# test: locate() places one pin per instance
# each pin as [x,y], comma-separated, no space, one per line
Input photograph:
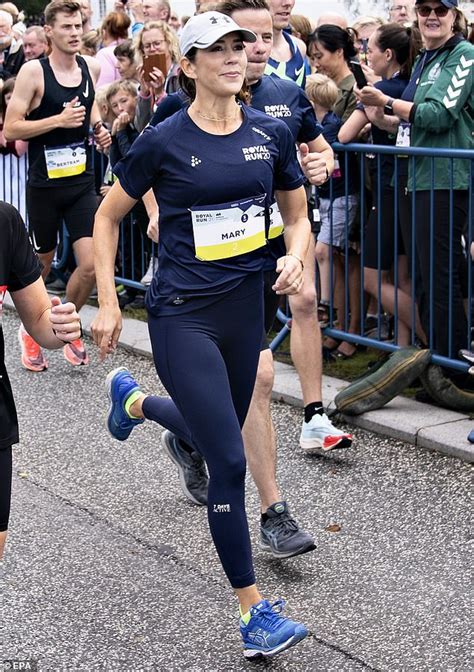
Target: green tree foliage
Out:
[33,9]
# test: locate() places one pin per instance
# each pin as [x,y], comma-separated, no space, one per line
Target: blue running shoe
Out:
[120,385]
[267,633]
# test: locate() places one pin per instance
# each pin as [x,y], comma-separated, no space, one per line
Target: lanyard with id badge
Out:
[229,229]
[403,134]
[65,160]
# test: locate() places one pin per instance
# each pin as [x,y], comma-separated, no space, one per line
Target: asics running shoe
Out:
[32,356]
[191,468]
[281,535]
[120,385]
[319,436]
[75,353]
[267,632]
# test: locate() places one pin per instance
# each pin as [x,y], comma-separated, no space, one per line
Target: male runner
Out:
[288,53]
[53,108]
[280,533]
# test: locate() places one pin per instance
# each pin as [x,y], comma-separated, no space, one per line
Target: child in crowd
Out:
[337,202]
[121,98]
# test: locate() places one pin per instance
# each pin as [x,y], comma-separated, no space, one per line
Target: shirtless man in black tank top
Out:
[53,108]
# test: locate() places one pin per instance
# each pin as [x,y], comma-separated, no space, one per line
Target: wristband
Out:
[291,254]
[388,108]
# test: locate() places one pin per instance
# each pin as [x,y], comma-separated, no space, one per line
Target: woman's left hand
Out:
[369,95]
[157,80]
[290,279]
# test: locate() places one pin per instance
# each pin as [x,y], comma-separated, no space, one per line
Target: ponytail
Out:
[405,43]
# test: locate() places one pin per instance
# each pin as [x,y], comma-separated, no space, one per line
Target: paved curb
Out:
[420,424]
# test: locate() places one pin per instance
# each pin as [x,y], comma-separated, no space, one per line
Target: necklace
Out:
[225,118]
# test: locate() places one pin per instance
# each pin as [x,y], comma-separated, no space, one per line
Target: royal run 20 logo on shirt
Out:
[256,153]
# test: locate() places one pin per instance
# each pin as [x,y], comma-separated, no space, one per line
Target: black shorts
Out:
[271,301]
[49,207]
[384,232]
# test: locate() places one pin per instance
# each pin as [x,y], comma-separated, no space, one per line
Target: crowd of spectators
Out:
[367,222]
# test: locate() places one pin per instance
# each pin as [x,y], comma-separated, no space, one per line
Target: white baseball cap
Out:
[202,30]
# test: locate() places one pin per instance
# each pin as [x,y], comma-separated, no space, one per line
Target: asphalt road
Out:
[109,568]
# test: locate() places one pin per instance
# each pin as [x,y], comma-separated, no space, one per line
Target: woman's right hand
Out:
[370,75]
[106,328]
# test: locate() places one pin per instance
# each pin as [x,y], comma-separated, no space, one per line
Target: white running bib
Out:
[65,161]
[229,229]
[276,227]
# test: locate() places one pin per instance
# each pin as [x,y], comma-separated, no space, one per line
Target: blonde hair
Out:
[105,111]
[365,21]
[322,90]
[169,36]
[121,85]
[90,42]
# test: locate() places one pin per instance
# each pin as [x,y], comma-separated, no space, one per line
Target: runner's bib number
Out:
[65,161]
[276,222]
[230,229]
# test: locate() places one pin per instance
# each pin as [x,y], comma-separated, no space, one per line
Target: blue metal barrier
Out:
[373,155]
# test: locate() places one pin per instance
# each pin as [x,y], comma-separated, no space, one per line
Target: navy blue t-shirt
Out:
[394,88]
[331,125]
[285,100]
[168,106]
[189,168]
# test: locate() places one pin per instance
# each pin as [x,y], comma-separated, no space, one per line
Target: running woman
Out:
[51,323]
[213,167]
[280,533]
[53,108]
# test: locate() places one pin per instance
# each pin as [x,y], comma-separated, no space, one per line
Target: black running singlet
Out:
[62,156]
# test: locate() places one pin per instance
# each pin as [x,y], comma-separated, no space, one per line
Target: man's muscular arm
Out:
[26,96]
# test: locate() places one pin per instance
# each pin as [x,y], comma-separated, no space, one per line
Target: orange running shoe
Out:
[75,353]
[32,356]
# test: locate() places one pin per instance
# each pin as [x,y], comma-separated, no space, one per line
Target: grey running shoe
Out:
[281,535]
[191,468]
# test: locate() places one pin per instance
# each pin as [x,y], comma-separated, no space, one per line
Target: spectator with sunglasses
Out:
[436,110]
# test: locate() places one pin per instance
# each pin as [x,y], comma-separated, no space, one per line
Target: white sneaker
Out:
[151,270]
[319,436]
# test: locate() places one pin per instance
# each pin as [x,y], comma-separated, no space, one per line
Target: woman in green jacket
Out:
[436,111]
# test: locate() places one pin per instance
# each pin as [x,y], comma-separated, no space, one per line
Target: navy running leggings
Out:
[207,360]
[5,486]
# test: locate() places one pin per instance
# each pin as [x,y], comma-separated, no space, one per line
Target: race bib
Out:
[403,135]
[65,161]
[276,222]
[230,229]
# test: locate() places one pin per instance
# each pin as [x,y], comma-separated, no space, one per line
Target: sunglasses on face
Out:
[425,10]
